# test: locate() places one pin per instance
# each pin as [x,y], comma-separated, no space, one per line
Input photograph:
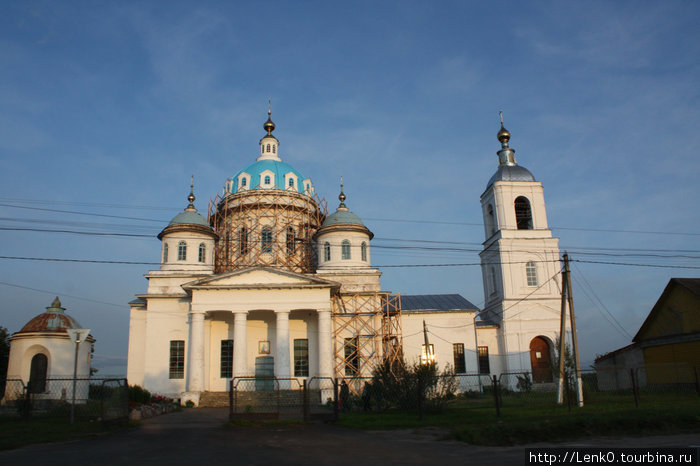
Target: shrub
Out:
[137,394]
[412,386]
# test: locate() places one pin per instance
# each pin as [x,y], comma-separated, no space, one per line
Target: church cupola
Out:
[506,156]
[269,144]
[188,240]
[343,240]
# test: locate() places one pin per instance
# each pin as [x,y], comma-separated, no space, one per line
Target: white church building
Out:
[268,283]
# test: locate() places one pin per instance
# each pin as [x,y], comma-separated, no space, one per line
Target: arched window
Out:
[268,148]
[267,179]
[243,241]
[531,272]
[37,373]
[363,250]
[266,240]
[291,182]
[165,252]
[307,186]
[244,182]
[182,251]
[345,249]
[202,252]
[490,220]
[273,149]
[291,245]
[326,251]
[523,214]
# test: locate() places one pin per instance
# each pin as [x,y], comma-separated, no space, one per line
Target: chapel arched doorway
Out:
[37,373]
[540,360]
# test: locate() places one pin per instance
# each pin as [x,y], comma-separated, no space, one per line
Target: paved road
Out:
[196,436]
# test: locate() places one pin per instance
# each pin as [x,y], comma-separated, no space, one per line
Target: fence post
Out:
[305,395]
[335,399]
[230,399]
[634,388]
[495,395]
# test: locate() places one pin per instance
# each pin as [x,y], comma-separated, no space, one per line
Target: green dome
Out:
[189,218]
[342,216]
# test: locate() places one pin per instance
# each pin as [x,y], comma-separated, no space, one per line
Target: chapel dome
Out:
[188,219]
[53,320]
[342,219]
[342,216]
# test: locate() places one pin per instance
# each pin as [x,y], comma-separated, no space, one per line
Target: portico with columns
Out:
[262,310]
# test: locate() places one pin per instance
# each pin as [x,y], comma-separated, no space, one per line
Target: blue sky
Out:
[109,107]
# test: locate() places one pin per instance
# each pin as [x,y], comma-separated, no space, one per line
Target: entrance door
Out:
[540,360]
[264,373]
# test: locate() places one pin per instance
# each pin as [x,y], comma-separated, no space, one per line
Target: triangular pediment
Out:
[254,277]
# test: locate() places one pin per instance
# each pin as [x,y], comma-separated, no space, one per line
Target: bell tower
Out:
[520,266]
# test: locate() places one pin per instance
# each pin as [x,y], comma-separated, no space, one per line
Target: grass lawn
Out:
[526,420]
[20,432]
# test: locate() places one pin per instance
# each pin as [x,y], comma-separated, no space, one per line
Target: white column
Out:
[240,344]
[325,350]
[282,366]
[195,366]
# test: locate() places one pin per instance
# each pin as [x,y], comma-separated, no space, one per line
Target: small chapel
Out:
[268,283]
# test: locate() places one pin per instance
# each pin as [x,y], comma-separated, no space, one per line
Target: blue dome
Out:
[189,218]
[342,216]
[278,169]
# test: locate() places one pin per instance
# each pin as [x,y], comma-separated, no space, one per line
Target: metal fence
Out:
[256,398]
[661,385]
[94,399]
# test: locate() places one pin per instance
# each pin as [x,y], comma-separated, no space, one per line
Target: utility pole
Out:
[429,358]
[568,298]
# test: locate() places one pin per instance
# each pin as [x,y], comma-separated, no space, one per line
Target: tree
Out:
[4,351]
[569,363]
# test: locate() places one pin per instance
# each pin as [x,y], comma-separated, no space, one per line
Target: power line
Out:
[88,261]
[57,293]
[76,232]
[598,304]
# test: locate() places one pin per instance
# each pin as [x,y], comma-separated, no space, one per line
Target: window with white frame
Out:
[326,251]
[531,272]
[363,251]
[182,251]
[345,250]
[202,252]
[165,252]
[177,359]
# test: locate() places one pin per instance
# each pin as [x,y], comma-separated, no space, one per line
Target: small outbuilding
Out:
[42,356]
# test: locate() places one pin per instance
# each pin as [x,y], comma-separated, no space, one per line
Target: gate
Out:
[270,397]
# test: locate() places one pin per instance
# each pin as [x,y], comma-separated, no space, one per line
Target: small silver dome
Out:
[511,173]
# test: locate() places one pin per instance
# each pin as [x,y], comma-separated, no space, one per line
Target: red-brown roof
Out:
[53,320]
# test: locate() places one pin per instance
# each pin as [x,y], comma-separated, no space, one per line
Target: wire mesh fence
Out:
[103,399]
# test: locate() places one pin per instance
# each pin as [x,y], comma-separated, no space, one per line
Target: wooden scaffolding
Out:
[266,227]
[366,332]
